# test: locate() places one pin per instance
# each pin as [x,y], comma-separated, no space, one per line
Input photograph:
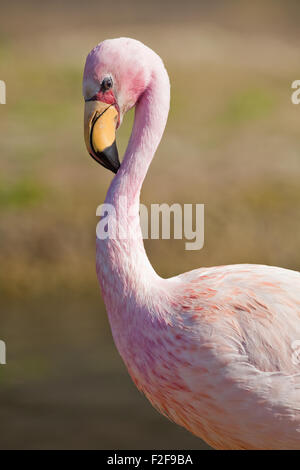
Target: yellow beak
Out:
[100,121]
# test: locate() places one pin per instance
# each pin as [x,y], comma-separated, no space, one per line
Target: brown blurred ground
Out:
[232,142]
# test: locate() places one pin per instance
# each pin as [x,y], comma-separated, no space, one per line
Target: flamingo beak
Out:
[100,122]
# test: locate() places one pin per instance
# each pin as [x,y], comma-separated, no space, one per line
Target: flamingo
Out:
[212,349]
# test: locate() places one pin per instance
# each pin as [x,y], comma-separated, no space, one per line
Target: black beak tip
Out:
[116,169]
[109,158]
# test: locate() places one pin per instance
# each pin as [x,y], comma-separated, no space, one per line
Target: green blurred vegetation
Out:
[247,105]
[20,194]
[232,142]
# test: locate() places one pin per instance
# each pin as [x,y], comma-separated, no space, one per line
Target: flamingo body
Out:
[211,349]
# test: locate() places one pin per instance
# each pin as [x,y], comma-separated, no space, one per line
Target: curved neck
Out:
[150,120]
[124,258]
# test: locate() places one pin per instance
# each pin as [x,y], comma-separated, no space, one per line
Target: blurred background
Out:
[232,142]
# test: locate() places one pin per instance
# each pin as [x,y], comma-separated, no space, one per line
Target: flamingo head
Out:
[115,76]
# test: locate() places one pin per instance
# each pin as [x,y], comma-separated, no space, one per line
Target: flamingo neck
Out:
[122,263]
[150,119]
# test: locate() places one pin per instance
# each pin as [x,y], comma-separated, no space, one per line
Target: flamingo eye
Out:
[106,84]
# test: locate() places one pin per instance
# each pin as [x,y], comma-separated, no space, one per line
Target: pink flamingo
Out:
[212,349]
